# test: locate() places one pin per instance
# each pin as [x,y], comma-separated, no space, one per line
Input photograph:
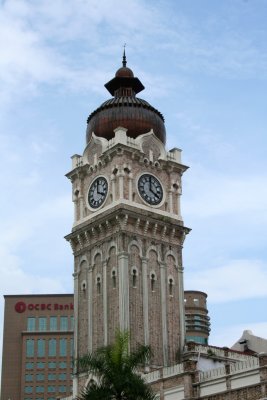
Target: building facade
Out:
[37,347]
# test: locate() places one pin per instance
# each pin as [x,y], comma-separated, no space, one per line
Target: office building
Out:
[37,347]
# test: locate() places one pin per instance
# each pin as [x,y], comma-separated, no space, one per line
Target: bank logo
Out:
[20,307]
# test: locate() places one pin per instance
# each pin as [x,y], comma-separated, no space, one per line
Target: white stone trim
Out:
[153,248]
[139,206]
[171,253]
[137,244]
[94,254]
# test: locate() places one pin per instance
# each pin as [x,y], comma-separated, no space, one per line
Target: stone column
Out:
[75,202]
[121,178]
[145,300]
[90,309]
[105,307]
[164,313]
[130,177]
[75,342]
[171,201]
[181,306]
[113,187]
[81,204]
[179,192]
[123,291]
[263,373]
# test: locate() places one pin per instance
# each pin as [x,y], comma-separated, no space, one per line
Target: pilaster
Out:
[163,283]
[123,291]
[145,300]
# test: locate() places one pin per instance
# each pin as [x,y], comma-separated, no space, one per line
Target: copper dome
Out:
[125,109]
[124,72]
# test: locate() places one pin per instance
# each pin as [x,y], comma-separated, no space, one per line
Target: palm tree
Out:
[115,371]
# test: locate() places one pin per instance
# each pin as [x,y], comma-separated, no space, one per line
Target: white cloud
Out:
[228,335]
[236,280]
[210,194]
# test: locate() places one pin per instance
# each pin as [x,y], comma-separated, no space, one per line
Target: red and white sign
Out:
[21,307]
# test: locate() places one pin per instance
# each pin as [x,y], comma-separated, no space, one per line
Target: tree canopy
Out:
[115,372]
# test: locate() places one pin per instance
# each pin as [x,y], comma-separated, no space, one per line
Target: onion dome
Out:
[125,109]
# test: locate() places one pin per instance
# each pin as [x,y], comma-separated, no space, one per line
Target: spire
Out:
[124,62]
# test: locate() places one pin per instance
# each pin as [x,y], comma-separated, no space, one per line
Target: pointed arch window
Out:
[114,279]
[98,285]
[134,277]
[152,282]
[171,286]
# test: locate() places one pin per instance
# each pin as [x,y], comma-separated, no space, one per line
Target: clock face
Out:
[150,189]
[98,192]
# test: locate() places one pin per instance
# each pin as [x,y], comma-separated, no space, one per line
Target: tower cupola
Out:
[125,109]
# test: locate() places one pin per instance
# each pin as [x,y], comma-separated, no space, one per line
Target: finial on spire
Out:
[124,62]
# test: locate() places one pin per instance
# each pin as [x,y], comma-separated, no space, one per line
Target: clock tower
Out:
[128,231]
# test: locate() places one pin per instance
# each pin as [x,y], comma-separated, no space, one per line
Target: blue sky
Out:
[204,66]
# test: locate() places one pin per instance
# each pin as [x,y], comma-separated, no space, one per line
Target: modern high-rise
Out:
[37,347]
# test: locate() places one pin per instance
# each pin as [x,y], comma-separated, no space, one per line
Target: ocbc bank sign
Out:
[21,307]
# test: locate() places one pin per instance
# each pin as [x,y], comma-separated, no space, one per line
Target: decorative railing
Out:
[152,376]
[173,370]
[244,366]
[221,353]
[247,365]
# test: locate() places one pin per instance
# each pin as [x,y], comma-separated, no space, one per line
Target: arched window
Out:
[152,282]
[170,287]
[113,275]
[98,285]
[134,275]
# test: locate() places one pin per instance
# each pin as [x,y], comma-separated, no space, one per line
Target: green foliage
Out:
[115,372]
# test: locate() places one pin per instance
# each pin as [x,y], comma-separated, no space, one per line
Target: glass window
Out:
[31,324]
[62,377]
[42,324]
[39,389]
[196,302]
[63,347]
[51,398]
[197,339]
[62,389]
[63,323]
[52,348]
[30,348]
[40,348]
[51,389]
[53,323]
[40,377]
[52,365]
[72,323]
[62,365]
[28,389]
[28,377]
[29,365]
[52,377]
[40,365]
[40,398]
